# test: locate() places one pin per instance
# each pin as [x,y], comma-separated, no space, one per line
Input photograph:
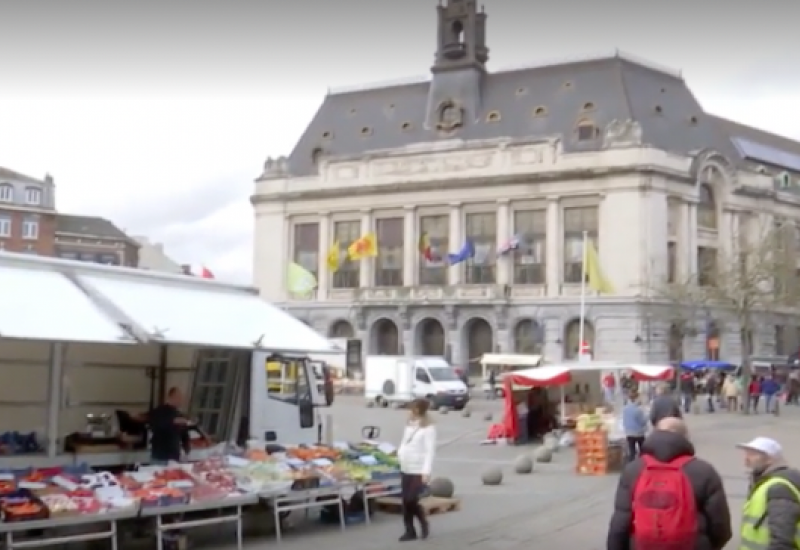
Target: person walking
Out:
[687,391]
[754,393]
[772,511]
[416,454]
[770,388]
[711,387]
[731,393]
[668,498]
[634,422]
[491,381]
[663,406]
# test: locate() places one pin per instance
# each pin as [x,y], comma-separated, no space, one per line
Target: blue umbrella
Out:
[701,364]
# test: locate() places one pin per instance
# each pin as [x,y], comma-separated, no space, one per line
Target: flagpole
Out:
[582,317]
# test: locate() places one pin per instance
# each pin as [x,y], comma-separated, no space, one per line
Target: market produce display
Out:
[38,494]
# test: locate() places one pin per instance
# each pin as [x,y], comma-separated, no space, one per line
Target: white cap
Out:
[765,445]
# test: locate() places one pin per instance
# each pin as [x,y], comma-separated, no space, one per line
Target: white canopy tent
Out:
[60,302]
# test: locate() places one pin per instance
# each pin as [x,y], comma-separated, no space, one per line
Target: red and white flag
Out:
[198,271]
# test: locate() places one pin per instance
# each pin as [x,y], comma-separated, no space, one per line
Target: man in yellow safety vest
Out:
[771,519]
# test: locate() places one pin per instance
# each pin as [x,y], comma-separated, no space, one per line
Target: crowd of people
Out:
[670,499]
[727,391]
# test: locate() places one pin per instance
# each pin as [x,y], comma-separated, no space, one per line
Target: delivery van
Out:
[398,380]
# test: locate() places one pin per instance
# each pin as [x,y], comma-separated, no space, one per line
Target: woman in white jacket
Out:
[416,453]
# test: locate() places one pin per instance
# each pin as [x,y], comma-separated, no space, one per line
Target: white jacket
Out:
[417,450]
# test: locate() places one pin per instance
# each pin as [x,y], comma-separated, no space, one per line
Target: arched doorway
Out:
[675,344]
[572,338]
[430,338]
[480,340]
[385,338]
[713,340]
[341,329]
[528,337]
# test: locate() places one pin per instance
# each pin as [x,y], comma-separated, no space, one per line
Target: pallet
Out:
[431,505]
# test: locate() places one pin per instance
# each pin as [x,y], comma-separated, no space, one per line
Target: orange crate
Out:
[592,470]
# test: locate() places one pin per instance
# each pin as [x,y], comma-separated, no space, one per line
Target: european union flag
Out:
[467,252]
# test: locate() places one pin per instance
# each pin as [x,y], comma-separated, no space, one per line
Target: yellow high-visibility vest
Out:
[755,532]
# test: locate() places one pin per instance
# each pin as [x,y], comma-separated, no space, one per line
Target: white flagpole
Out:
[582,318]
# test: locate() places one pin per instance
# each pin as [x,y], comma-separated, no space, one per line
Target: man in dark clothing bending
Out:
[663,406]
[168,428]
[668,442]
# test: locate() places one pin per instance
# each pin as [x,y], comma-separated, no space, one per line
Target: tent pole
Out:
[57,351]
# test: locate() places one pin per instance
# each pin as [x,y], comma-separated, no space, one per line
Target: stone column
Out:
[367,264]
[503,265]
[683,264]
[691,258]
[554,245]
[410,246]
[323,275]
[456,241]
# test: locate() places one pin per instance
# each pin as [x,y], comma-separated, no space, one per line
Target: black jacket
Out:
[714,517]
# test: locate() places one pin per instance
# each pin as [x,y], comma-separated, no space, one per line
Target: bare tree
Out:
[754,278]
[678,304]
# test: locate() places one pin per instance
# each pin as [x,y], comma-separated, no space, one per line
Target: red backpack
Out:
[664,506]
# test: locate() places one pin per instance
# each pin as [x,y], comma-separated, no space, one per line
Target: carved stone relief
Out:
[403,318]
[622,133]
[501,317]
[450,116]
[359,317]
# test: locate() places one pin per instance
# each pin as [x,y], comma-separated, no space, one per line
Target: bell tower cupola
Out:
[461,36]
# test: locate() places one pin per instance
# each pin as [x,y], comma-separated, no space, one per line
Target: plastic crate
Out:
[25,494]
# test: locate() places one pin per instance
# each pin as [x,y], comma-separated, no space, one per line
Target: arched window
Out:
[707,207]
[572,339]
[528,337]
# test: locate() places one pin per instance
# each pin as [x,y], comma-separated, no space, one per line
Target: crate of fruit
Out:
[22,505]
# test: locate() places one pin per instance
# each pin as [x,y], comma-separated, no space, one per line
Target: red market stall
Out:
[561,375]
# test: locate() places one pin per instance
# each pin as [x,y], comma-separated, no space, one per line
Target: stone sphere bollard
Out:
[442,487]
[466,413]
[487,417]
[444,410]
[523,464]
[543,455]
[492,476]
[551,443]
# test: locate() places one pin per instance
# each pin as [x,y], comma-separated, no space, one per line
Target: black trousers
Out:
[411,488]
[634,446]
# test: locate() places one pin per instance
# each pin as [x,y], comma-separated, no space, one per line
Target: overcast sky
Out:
[158,115]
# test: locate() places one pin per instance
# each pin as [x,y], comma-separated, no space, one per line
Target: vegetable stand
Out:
[233,504]
[111,518]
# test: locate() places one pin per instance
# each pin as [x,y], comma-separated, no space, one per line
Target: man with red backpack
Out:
[668,499]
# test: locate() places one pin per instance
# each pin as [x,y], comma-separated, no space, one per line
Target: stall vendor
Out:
[541,419]
[169,430]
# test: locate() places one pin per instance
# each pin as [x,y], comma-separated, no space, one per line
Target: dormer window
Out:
[587,131]
[6,192]
[33,196]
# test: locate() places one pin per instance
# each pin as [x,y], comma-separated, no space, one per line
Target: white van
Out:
[400,380]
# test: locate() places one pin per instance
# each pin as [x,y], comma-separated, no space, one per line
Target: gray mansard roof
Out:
[601,90]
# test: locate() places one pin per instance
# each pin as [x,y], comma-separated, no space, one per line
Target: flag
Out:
[334,256]
[594,274]
[363,247]
[425,247]
[299,280]
[197,271]
[467,252]
[510,245]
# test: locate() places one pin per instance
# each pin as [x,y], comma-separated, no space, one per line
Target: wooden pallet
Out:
[431,505]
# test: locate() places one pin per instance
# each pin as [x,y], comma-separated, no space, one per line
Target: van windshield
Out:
[443,374]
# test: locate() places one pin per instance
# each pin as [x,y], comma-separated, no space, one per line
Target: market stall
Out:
[560,376]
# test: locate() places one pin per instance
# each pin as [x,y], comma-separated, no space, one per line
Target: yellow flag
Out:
[363,247]
[334,257]
[594,274]
[299,280]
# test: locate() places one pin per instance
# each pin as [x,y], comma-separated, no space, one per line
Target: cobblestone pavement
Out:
[551,506]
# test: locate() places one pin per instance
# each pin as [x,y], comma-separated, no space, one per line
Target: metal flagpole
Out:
[582,318]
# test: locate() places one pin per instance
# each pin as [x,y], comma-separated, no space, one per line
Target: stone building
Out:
[610,145]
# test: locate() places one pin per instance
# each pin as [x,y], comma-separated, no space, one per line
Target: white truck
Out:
[397,380]
[79,340]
